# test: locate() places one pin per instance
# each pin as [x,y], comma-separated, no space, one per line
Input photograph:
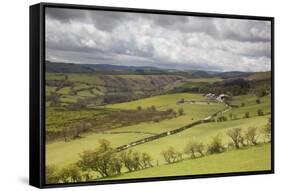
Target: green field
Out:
[202,133]
[152,108]
[63,153]
[247,159]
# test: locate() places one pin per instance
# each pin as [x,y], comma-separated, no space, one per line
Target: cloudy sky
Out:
[180,42]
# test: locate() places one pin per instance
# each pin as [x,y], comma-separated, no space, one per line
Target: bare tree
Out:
[236,136]
[216,145]
[194,147]
[251,136]
[266,131]
[171,155]
[133,160]
[146,160]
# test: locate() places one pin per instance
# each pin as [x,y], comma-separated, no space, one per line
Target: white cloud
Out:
[157,40]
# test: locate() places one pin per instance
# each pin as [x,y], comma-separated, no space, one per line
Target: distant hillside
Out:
[259,76]
[56,67]
[59,67]
[234,74]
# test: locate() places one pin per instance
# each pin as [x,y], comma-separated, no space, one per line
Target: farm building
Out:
[210,96]
[222,97]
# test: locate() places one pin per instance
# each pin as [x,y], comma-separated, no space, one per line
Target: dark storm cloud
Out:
[101,37]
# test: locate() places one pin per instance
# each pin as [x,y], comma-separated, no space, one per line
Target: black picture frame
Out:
[37,95]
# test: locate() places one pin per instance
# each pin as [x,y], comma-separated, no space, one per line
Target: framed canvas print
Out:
[122,95]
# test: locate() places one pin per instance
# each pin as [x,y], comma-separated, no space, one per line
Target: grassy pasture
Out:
[56,119]
[208,80]
[63,153]
[202,133]
[250,105]
[247,159]
[162,101]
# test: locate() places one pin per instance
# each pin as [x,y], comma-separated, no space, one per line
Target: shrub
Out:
[152,108]
[236,136]
[146,160]
[193,147]
[266,131]
[221,118]
[70,173]
[251,136]
[139,108]
[102,160]
[74,130]
[230,145]
[156,120]
[242,104]
[247,115]
[52,174]
[171,155]
[260,112]
[131,160]
[215,146]
[181,111]
[258,101]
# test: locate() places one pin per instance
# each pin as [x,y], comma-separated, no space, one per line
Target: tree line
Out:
[194,149]
[103,160]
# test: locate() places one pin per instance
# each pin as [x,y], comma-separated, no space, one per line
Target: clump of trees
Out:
[74,130]
[107,162]
[251,136]
[261,91]
[79,104]
[216,145]
[266,131]
[151,108]
[260,112]
[103,160]
[118,97]
[70,173]
[236,136]
[247,115]
[134,160]
[52,174]
[181,111]
[194,148]
[221,118]
[172,111]
[232,116]
[171,155]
